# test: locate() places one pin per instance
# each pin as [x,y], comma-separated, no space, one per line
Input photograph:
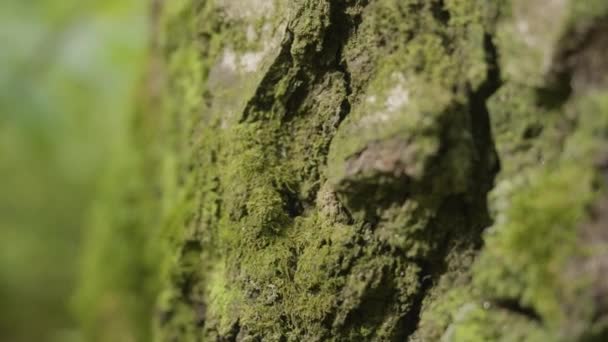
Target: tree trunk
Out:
[364,170]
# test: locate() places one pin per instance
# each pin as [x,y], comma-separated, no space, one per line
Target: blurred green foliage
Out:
[67,84]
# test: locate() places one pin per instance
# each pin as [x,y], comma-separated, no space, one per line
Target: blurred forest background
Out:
[67,83]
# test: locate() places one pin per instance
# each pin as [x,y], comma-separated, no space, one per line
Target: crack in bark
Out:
[286,66]
[263,98]
[488,168]
[514,306]
[341,28]
[482,131]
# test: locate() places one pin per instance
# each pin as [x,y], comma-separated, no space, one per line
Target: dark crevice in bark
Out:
[233,334]
[489,163]
[471,208]
[191,251]
[575,66]
[456,210]
[342,27]
[345,107]
[314,69]
[263,100]
[513,306]
[299,93]
[440,12]
[184,281]
[200,313]
[292,204]
[558,93]
[412,317]
[374,303]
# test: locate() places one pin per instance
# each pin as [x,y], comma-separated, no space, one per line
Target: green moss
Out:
[324,173]
[294,264]
[546,187]
[475,323]
[521,259]
[438,314]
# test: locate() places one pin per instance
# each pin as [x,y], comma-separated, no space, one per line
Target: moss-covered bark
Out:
[366,170]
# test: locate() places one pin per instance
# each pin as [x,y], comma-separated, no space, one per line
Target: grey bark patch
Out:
[396,157]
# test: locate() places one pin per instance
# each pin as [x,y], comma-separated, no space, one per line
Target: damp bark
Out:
[358,170]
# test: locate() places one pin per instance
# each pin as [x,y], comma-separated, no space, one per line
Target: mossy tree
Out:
[363,170]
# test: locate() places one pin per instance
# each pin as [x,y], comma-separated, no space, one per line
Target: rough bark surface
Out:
[365,170]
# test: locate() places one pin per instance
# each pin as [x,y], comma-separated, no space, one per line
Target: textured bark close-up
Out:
[362,170]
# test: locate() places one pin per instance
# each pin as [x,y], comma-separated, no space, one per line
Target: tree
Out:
[353,170]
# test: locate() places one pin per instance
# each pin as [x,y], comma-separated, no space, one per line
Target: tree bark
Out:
[366,170]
